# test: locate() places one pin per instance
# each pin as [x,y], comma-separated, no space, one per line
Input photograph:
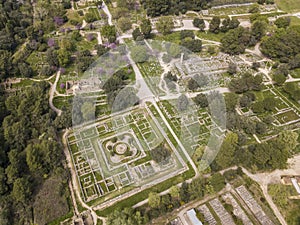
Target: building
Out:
[191,214]
[296,185]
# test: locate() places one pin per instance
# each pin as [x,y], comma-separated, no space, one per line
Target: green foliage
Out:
[124,24]
[283,45]
[139,53]
[168,7]
[160,154]
[227,151]
[293,90]
[165,25]
[214,25]
[217,181]
[283,22]
[90,17]
[199,23]
[137,35]
[154,200]
[246,82]
[146,28]
[235,41]
[174,191]
[109,32]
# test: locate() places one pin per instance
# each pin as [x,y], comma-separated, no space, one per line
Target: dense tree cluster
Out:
[293,90]
[246,82]
[269,155]
[30,151]
[283,45]
[159,205]
[169,7]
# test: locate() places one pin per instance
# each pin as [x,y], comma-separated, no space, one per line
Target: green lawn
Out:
[210,36]
[295,21]
[288,5]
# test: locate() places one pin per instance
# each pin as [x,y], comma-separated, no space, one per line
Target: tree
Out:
[227,150]
[214,25]
[101,50]
[160,154]
[279,78]
[165,25]
[283,22]
[174,50]
[183,103]
[235,41]
[192,45]
[90,17]
[21,191]
[174,191]
[184,192]
[217,181]
[199,23]
[146,28]
[76,36]
[258,30]
[288,139]
[3,185]
[196,188]
[269,103]
[64,57]
[124,24]
[233,23]
[25,69]
[34,157]
[109,32]
[232,68]
[187,34]
[139,53]
[201,100]
[52,57]
[153,200]
[231,100]
[282,44]
[137,35]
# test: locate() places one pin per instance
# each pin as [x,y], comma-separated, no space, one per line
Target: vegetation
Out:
[30,153]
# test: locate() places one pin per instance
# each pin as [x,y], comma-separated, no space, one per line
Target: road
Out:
[264,179]
[52,91]
[107,12]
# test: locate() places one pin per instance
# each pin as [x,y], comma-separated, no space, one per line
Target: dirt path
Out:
[264,179]
[52,91]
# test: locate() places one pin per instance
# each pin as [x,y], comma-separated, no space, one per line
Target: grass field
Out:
[288,5]
[295,21]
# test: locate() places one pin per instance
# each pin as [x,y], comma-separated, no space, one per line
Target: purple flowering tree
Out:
[90,37]
[51,42]
[62,85]
[58,21]
[62,70]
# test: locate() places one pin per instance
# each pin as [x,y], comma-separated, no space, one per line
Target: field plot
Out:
[193,126]
[117,154]
[152,71]
[237,206]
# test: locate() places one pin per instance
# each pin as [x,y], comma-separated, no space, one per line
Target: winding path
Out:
[107,12]
[52,91]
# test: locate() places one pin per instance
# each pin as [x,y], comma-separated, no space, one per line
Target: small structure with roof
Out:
[191,214]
